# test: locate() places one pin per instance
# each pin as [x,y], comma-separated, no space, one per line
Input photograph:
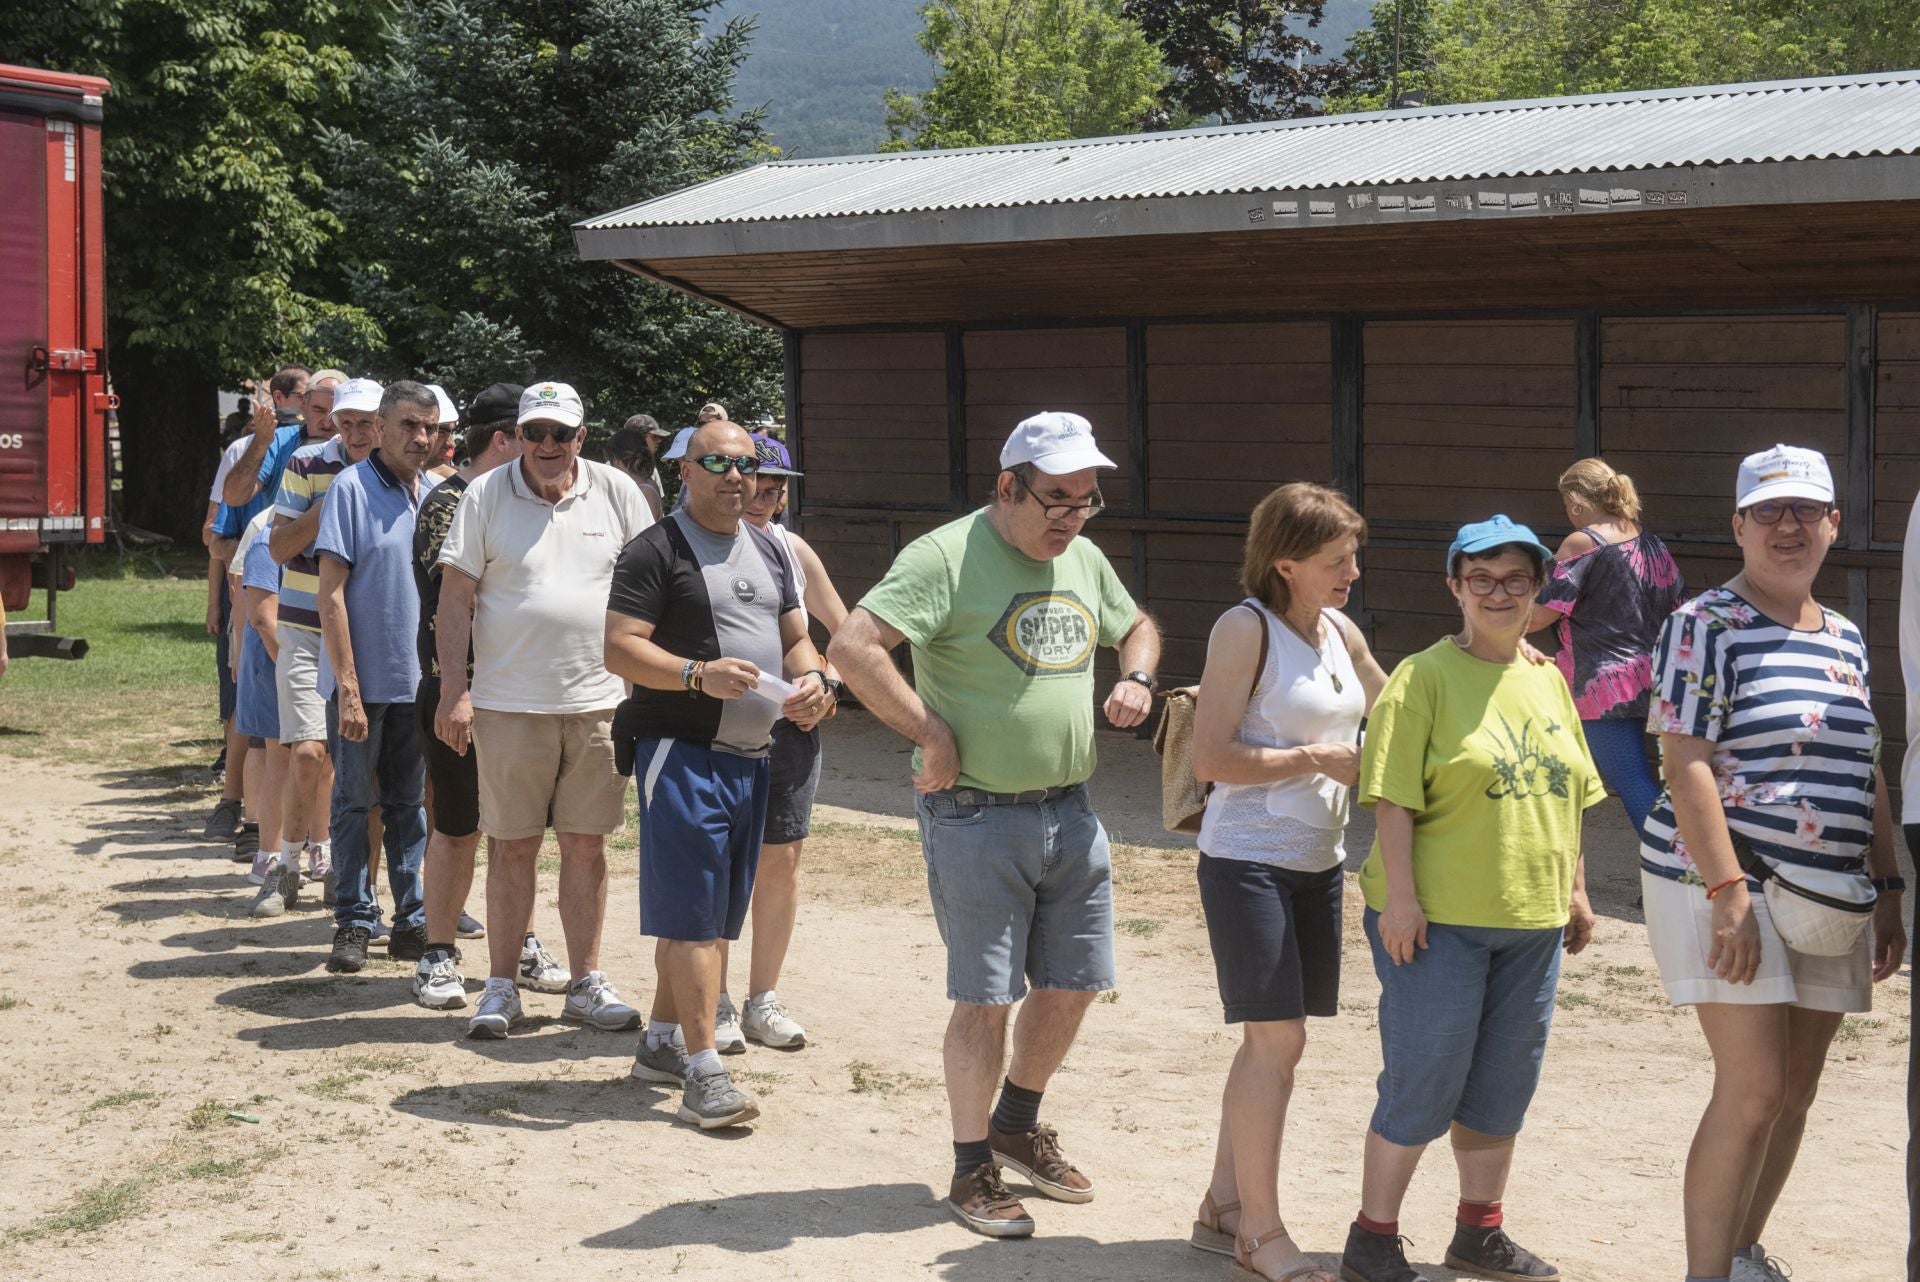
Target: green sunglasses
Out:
[719,463]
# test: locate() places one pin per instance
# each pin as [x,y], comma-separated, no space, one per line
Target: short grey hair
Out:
[1025,471]
[407,392]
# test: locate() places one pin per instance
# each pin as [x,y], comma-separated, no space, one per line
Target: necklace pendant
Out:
[1337,687]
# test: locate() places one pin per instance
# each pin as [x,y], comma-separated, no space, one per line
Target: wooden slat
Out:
[1752,340]
[872,351]
[1308,342]
[1515,342]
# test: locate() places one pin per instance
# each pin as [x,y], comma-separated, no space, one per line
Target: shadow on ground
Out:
[553,1104]
[755,1223]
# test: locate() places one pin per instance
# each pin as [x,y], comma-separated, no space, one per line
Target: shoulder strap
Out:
[1260,664]
[1594,534]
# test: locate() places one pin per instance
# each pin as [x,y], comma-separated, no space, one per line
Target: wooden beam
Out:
[1136,416]
[956,420]
[1862,325]
[1586,385]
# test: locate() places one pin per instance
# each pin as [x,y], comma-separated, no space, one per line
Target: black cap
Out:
[498,404]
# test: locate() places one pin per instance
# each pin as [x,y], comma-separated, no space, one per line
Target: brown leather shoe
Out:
[981,1202]
[1036,1155]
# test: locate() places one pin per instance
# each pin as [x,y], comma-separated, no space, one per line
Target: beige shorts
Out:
[1680,924]
[543,770]
[296,679]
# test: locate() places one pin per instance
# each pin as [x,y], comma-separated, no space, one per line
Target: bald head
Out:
[719,437]
[716,499]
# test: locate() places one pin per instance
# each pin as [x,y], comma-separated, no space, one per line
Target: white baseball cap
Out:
[1056,442]
[358,394]
[1783,472]
[551,403]
[448,414]
[679,447]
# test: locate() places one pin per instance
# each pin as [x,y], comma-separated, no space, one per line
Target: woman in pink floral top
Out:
[1766,733]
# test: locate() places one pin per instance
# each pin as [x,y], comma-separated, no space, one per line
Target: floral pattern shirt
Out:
[1795,739]
[1611,603]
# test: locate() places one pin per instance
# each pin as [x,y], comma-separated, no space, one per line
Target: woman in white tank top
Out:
[1287,682]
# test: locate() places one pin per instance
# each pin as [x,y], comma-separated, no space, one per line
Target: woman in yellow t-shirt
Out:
[1478,773]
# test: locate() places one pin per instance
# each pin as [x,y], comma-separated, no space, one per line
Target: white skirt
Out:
[1680,925]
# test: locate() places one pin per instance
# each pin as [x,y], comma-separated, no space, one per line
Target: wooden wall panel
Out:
[1012,374]
[1896,465]
[864,396]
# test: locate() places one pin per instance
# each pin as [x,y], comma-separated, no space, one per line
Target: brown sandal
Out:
[1207,1233]
[1243,1270]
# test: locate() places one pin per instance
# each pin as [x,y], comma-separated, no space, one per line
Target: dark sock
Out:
[1018,1110]
[969,1156]
[1385,1228]
[1480,1215]
[448,949]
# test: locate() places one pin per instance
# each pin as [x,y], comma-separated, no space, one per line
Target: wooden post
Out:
[1857,523]
[790,394]
[1137,416]
[956,422]
[1586,385]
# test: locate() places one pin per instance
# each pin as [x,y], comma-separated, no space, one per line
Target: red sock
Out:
[1385,1228]
[1480,1215]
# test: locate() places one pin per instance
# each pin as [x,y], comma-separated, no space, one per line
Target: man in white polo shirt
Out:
[525,572]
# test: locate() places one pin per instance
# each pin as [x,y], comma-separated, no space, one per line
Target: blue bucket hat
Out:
[1495,531]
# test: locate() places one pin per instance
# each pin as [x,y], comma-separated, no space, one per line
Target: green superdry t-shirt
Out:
[1492,761]
[1003,648]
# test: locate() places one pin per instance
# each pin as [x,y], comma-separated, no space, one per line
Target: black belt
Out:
[1031,797]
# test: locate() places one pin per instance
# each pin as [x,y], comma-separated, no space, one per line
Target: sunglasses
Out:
[1805,511]
[1512,585]
[537,433]
[719,463]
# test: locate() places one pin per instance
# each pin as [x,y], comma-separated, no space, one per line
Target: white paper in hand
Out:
[774,690]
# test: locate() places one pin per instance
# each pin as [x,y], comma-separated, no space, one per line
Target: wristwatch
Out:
[1890,884]
[1145,679]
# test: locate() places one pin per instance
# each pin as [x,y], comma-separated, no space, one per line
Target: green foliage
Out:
[1010,71]
[493,126]
[1238,61]
[1400,37]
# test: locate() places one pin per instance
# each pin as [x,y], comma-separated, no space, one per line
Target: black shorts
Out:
[455,778]
[229,692]
[1276,938]
[794,762]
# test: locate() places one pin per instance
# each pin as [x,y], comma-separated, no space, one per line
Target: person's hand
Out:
[1579,930]
[213,618]
[1129,704]
[939,757]
[3,654]
[1735,954]
[353,717]
[264,422]
[728,678]
[453,720]
[1403,928]
[1339,762]
[810,704]
[1533,654]
[1889,931]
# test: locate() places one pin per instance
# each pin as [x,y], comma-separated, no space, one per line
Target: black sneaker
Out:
[1490,1253]
[349,954]
[409,944]
[224,823]
[246,843]
[1376,1257]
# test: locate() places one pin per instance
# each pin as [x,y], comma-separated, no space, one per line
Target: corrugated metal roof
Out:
[1831,118]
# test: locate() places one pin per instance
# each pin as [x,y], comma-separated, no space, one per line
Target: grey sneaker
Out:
[279,890]
[224,823]
[592,1000]
[665,1063]
[766,1021]
[470,927]
[539,972]
[1755,1265]
[711,1101]
[499,1007]
[727,1037]
[438,984]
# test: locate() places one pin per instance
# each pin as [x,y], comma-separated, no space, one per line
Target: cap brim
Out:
[1488,544]
[1788,489]
[771,469]
[362,404]
[551,414]
[1063,462]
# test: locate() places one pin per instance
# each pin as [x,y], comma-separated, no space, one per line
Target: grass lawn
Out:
[143,697]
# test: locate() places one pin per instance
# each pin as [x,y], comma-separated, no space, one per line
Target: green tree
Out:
[1239,61]
[1394,52]
[1026,71]
[491,127]
[217,239]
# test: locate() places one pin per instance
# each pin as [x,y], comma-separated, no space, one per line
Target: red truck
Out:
[54,400]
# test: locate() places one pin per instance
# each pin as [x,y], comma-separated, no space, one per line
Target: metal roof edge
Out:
[594,223]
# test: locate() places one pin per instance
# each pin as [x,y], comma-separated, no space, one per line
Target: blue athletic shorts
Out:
[256,707]
[702,812]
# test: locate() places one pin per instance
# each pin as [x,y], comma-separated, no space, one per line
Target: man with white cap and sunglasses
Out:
[1004,609]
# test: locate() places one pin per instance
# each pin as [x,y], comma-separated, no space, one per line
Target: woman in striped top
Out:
[1766,732]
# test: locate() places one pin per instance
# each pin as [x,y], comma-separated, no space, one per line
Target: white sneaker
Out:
[438,985]
[592,1000]
[727,1037]
[766,1021]
[279,890]
[499,1007]
[1755,1265]
[539,972]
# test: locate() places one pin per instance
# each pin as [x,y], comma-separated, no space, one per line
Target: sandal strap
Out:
[1248,1245]
[1214,1210]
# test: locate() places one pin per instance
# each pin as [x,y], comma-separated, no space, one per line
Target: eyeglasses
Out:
[1805,511]
[537,433]
[1513,585]
[1063,511]
[718,464]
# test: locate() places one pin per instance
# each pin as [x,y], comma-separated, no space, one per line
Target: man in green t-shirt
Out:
[1004,609]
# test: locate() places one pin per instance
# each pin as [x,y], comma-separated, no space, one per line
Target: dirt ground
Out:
[194,1097]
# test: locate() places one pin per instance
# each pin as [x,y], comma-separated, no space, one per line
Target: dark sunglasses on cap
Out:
[718,464]
[539,432]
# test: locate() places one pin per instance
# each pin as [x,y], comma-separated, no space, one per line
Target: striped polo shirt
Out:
[1795,739]
[309,474]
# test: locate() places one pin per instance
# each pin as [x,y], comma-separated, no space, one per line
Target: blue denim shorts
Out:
[701,815]
[1463,1029]
[1022,891]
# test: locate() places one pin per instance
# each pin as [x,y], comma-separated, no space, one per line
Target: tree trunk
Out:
[169,442]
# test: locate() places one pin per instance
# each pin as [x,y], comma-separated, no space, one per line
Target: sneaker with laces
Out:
[980,1200]
[438,984]
[1755,1265]
[262,860]
[1490,1253]
[712,1101]
[224,823]
[499,1007]
[727,1037]
[539,972]
[319,864]
[407,943]
[349,955]
[469,927]
[665,1063]
[1036,1155]
[1377,1257]
[246,843]
[592,1000]
[279,891]
[766,1021]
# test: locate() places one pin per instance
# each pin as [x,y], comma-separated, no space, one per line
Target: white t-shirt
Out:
[543,570]
[228,458]
[1910,666]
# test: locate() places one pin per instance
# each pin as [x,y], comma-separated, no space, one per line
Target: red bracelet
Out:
[1731,881]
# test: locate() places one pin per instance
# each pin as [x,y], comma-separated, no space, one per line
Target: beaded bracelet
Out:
[1731,881]
[686,675]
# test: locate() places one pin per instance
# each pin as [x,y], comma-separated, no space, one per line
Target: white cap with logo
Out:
[551,403]
[678,449]
[1055,441]
[361,394]
[448,414]
[1783,472]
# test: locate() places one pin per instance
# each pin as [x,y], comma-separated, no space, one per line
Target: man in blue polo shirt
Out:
[369,612]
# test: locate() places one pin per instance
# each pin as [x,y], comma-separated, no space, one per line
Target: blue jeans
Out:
[1619,748]
[386,767]
[1463,1029]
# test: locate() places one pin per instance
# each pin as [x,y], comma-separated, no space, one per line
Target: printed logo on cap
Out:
[548,392]
[1046,633]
